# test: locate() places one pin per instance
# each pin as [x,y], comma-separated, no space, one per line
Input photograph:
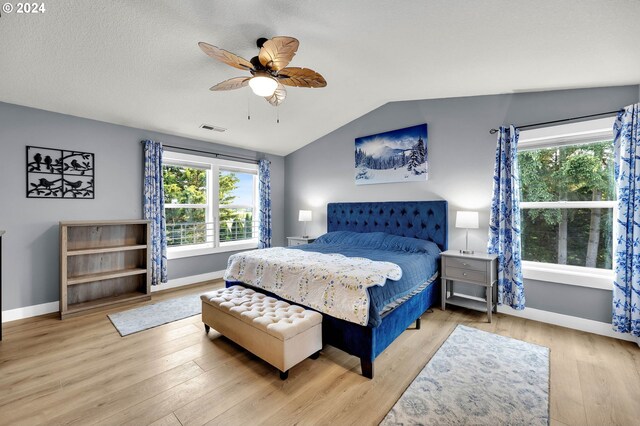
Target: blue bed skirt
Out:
[369,342]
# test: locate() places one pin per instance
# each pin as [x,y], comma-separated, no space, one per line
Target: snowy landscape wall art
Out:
[394,156]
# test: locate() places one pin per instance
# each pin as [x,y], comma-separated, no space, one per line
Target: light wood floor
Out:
[81,371]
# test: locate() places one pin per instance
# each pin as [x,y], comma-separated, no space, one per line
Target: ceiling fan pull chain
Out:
[278,114]
[248,107]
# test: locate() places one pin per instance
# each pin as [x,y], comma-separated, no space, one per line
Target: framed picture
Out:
[59,173]
[394,156]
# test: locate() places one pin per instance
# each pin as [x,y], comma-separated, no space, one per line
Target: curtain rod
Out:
[217,155]
[564,120]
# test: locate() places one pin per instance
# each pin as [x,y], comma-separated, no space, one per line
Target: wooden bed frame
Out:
[426,220]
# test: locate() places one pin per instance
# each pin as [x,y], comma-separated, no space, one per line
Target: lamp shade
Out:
[467,219]
[304,216]
[263,85]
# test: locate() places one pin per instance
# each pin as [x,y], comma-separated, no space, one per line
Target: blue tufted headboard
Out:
[425,220]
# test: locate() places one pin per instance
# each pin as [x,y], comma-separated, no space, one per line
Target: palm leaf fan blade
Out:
[278,96]
[301,77]
[225,56]
[231,84]
[276,53]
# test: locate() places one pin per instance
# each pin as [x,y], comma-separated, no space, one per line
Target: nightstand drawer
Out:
[465,274]
[299,241]
[472,264]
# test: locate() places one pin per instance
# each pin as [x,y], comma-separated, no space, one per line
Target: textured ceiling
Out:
[137,63]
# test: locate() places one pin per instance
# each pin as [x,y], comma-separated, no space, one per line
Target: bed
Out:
[390,314]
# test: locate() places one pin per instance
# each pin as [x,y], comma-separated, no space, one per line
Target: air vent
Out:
[211,127]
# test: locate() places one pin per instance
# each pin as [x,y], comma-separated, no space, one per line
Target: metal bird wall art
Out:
[59,173]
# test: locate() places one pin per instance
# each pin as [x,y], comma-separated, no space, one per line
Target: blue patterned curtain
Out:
[504,224]
[626,287]
[264,188]
[154,210]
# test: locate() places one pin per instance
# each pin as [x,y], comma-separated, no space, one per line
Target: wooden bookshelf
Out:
[103,264]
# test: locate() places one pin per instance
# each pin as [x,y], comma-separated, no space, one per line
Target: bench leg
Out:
[206,328]
[315,355]
[367,367]
[284,375]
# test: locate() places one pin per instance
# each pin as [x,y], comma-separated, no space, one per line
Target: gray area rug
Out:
[149,316]
[478,378]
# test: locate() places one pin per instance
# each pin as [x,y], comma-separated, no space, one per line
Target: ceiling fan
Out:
[269,71]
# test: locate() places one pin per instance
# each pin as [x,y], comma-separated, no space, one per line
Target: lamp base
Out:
[467,252]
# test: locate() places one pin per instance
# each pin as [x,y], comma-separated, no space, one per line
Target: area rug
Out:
[149,316]
[478,378]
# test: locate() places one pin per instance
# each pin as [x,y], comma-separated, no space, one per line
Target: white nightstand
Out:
[299,241]
[477,268]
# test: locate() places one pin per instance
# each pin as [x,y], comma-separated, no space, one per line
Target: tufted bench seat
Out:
[278,332]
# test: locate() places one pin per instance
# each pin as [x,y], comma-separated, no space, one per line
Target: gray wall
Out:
[30,246]
[461,160]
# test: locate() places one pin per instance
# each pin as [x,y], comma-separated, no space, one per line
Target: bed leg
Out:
[418,323]
[367,367]
[284,375]
[315,355]
[206,328]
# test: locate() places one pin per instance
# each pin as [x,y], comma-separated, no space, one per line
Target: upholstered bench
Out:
[280,333]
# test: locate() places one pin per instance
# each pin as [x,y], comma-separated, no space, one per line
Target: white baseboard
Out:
[51,307]
[193,279]
[576,323]
[30,311]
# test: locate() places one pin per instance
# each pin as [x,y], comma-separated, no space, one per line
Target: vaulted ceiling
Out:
[137,63]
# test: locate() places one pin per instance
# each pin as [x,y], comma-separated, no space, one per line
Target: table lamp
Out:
[304,216]
[467,220]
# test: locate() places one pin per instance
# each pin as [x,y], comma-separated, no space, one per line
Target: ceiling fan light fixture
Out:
[263,85]
[270,70]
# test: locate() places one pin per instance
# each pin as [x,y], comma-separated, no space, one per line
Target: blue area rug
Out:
[478,378]
[149,316]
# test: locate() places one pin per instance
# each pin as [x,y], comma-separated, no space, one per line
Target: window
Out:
[186,190]
[568,196]
[237,198]
[210,204]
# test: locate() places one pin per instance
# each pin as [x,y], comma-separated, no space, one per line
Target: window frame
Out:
[581,133]
[213,166]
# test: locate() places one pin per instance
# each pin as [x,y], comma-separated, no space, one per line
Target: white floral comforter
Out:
[330,283]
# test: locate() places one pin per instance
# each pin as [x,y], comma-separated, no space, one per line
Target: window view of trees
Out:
[568,236]
[185,185]
[236,220]
[185,196]
[186,207]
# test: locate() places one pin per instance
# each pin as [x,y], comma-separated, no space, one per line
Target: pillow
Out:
[410,245]
[379,240]
[358,239]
